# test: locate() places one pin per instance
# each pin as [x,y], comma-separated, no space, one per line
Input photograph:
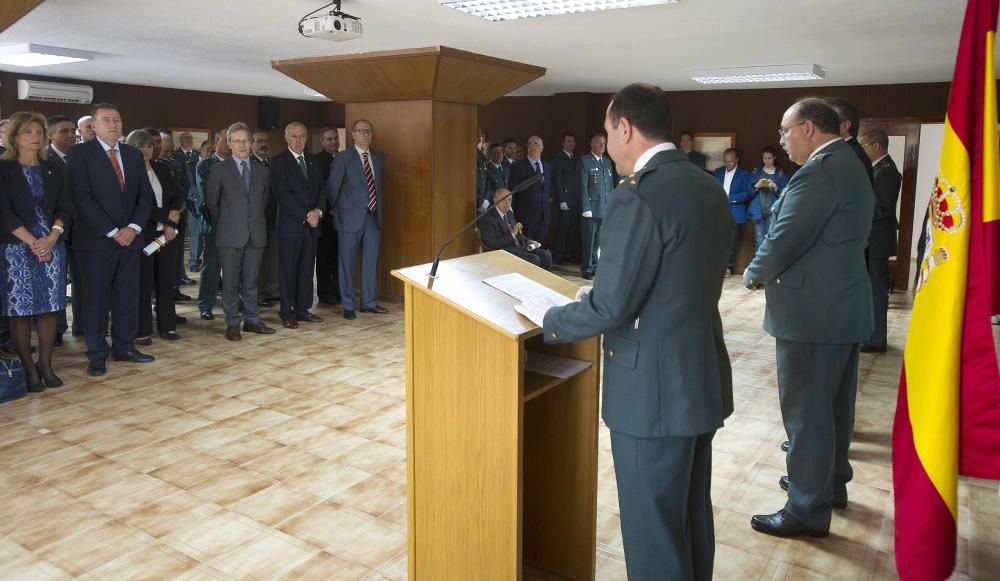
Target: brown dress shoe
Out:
[260,328]
[290,323]
[233,333]
[310,318]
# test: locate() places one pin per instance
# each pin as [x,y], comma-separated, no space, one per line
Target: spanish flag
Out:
[948,412]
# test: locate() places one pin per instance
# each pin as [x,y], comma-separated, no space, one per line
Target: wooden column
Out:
[13,10]
[423,104]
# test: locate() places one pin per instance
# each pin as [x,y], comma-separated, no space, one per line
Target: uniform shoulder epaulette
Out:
[819,156]
[633,179]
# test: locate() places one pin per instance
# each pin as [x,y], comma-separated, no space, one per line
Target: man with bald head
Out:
[819,308]
[501,231]
[297,186]
[882,240]
[532,205]
[85,128]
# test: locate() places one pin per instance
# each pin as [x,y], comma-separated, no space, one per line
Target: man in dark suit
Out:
[532,205]
[327,285]
[687,146]
[208,286]
[236,200]
[566,185]
[509,153]
[850,125]
[62,138]
[735,181]
[297,185]
[354,191]
[882,239]
[113,199]
[267,285]
[667,377]
[819,308]
[501,231]
[188,157]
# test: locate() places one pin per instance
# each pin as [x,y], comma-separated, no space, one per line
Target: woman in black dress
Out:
[35,212]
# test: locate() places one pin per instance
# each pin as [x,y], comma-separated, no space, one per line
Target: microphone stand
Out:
[518,189]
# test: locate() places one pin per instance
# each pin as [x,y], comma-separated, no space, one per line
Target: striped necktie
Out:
[370,178]
[118,168]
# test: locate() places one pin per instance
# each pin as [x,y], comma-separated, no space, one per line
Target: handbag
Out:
[12,384]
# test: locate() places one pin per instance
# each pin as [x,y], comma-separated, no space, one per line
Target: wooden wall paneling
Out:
[402,133]
[454,168]
[13,10]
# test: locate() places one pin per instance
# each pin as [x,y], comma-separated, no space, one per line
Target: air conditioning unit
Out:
[54,92]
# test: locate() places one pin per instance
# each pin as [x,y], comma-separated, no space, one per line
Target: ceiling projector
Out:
[334,25]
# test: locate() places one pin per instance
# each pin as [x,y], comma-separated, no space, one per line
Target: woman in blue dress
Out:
[34,213]
[766,182]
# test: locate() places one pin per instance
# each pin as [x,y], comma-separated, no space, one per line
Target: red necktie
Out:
[517,241]
[118,168]
[370,178]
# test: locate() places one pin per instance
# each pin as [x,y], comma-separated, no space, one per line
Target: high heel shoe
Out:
[51,381]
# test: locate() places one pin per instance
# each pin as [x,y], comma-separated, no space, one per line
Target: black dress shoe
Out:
[133,356]
[207,316]
[873,349]
[59,341]
[180,297]
[96,368]
[50,381]
[783,483]
[377,310]
[170,335]
[587,276]
[783,524]
[144,341]
[785,445]
[290,323]
[264,303]
[37,388]
[233,333]
[349,315]
[186,280]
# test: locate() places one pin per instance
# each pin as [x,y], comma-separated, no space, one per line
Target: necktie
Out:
[118,168]
[538,169]
[370,178]
[302,166]
[245,172]
[517,241]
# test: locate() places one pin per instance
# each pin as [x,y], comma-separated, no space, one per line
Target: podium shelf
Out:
[535,383]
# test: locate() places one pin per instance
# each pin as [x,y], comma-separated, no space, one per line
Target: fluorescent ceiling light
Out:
[36,55]
[312,93]
[513,9]
[769,74]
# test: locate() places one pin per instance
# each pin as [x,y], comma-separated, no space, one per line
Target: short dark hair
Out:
[646,107]
[495,146]
[769,149]
[57,119]
[152,131]
[165,131]
[846,111]
[97,106]
[731,150]
[509,140]
[568,134]
[822,115]
[598,134]
[326,128]
[688,133]
[878,136]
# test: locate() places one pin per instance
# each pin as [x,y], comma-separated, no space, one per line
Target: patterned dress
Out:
[27,286]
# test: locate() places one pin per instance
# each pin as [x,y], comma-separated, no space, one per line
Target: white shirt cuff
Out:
[135,227]
[112,233]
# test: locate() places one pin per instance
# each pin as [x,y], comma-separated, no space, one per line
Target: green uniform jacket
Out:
[882,240]
[597,180]
[496,178]
[812,262]
[481,194]
[664,248]
[565,180]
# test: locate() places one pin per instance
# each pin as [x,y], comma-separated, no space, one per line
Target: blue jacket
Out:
[739,191]
[755,211]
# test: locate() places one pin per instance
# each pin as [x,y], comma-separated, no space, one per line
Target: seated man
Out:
[500,231]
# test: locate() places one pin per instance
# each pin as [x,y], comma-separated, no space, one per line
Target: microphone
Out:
[517,189]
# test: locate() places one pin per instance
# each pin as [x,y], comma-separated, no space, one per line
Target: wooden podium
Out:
[501,462]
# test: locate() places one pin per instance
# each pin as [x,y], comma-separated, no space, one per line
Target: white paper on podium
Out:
[523,288]
[553,366]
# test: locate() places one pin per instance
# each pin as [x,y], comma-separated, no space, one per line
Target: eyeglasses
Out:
[782,132]
[239,141]
[864,145]
[363,131]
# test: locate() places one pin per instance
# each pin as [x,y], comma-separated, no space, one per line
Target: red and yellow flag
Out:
[948,412]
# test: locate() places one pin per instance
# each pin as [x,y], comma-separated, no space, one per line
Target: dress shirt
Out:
[61,155]
[728,180]
[648,155]
[874,163]
[118,156]
[818,149]
[157,193]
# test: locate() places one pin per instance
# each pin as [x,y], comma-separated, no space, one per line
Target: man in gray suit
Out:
[819,308]
[236,199]
[882,240]
[667,378]
[354,189]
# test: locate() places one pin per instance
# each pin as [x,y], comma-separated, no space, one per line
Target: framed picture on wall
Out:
[198,135]
[712,145]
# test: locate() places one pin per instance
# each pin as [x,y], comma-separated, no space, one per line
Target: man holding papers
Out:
[501,231]
[667,378]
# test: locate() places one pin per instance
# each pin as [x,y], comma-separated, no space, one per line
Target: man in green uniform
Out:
[811,265]
[596,179]
[667,377]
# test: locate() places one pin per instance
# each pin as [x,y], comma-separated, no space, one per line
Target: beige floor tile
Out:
[373,495]
[268,556]
[327,479]
[347,533]
[832,557]
[170,514]
[326,567]
[155,455]
[292,431]
[154,563]
[283,463]
[230,486]
[191,470]
[31,448]
[275,504]
[93,548]
[215,536]
[125,495]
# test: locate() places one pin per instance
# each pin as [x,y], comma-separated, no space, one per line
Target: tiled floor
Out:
[284,456]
